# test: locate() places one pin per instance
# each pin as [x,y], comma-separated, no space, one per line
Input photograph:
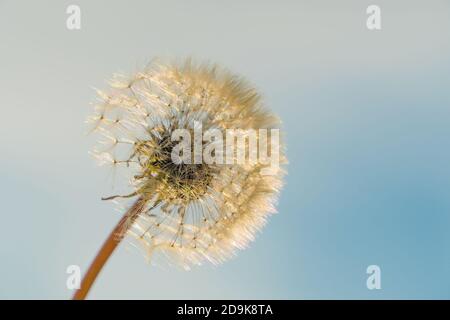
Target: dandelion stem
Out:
[108,248]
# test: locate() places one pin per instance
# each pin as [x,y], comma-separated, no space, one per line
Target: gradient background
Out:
[367,118]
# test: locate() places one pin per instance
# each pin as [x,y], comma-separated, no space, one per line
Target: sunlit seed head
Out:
[193,211]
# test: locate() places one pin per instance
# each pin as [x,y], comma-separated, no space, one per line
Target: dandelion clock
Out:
[201,159]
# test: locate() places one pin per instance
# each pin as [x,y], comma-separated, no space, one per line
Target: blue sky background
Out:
[367,120]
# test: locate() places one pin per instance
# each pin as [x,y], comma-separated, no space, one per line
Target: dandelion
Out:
[189,212]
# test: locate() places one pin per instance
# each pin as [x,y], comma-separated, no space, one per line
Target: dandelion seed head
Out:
[193,212]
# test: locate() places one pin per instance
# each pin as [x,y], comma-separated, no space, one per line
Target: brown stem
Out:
[108,248]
